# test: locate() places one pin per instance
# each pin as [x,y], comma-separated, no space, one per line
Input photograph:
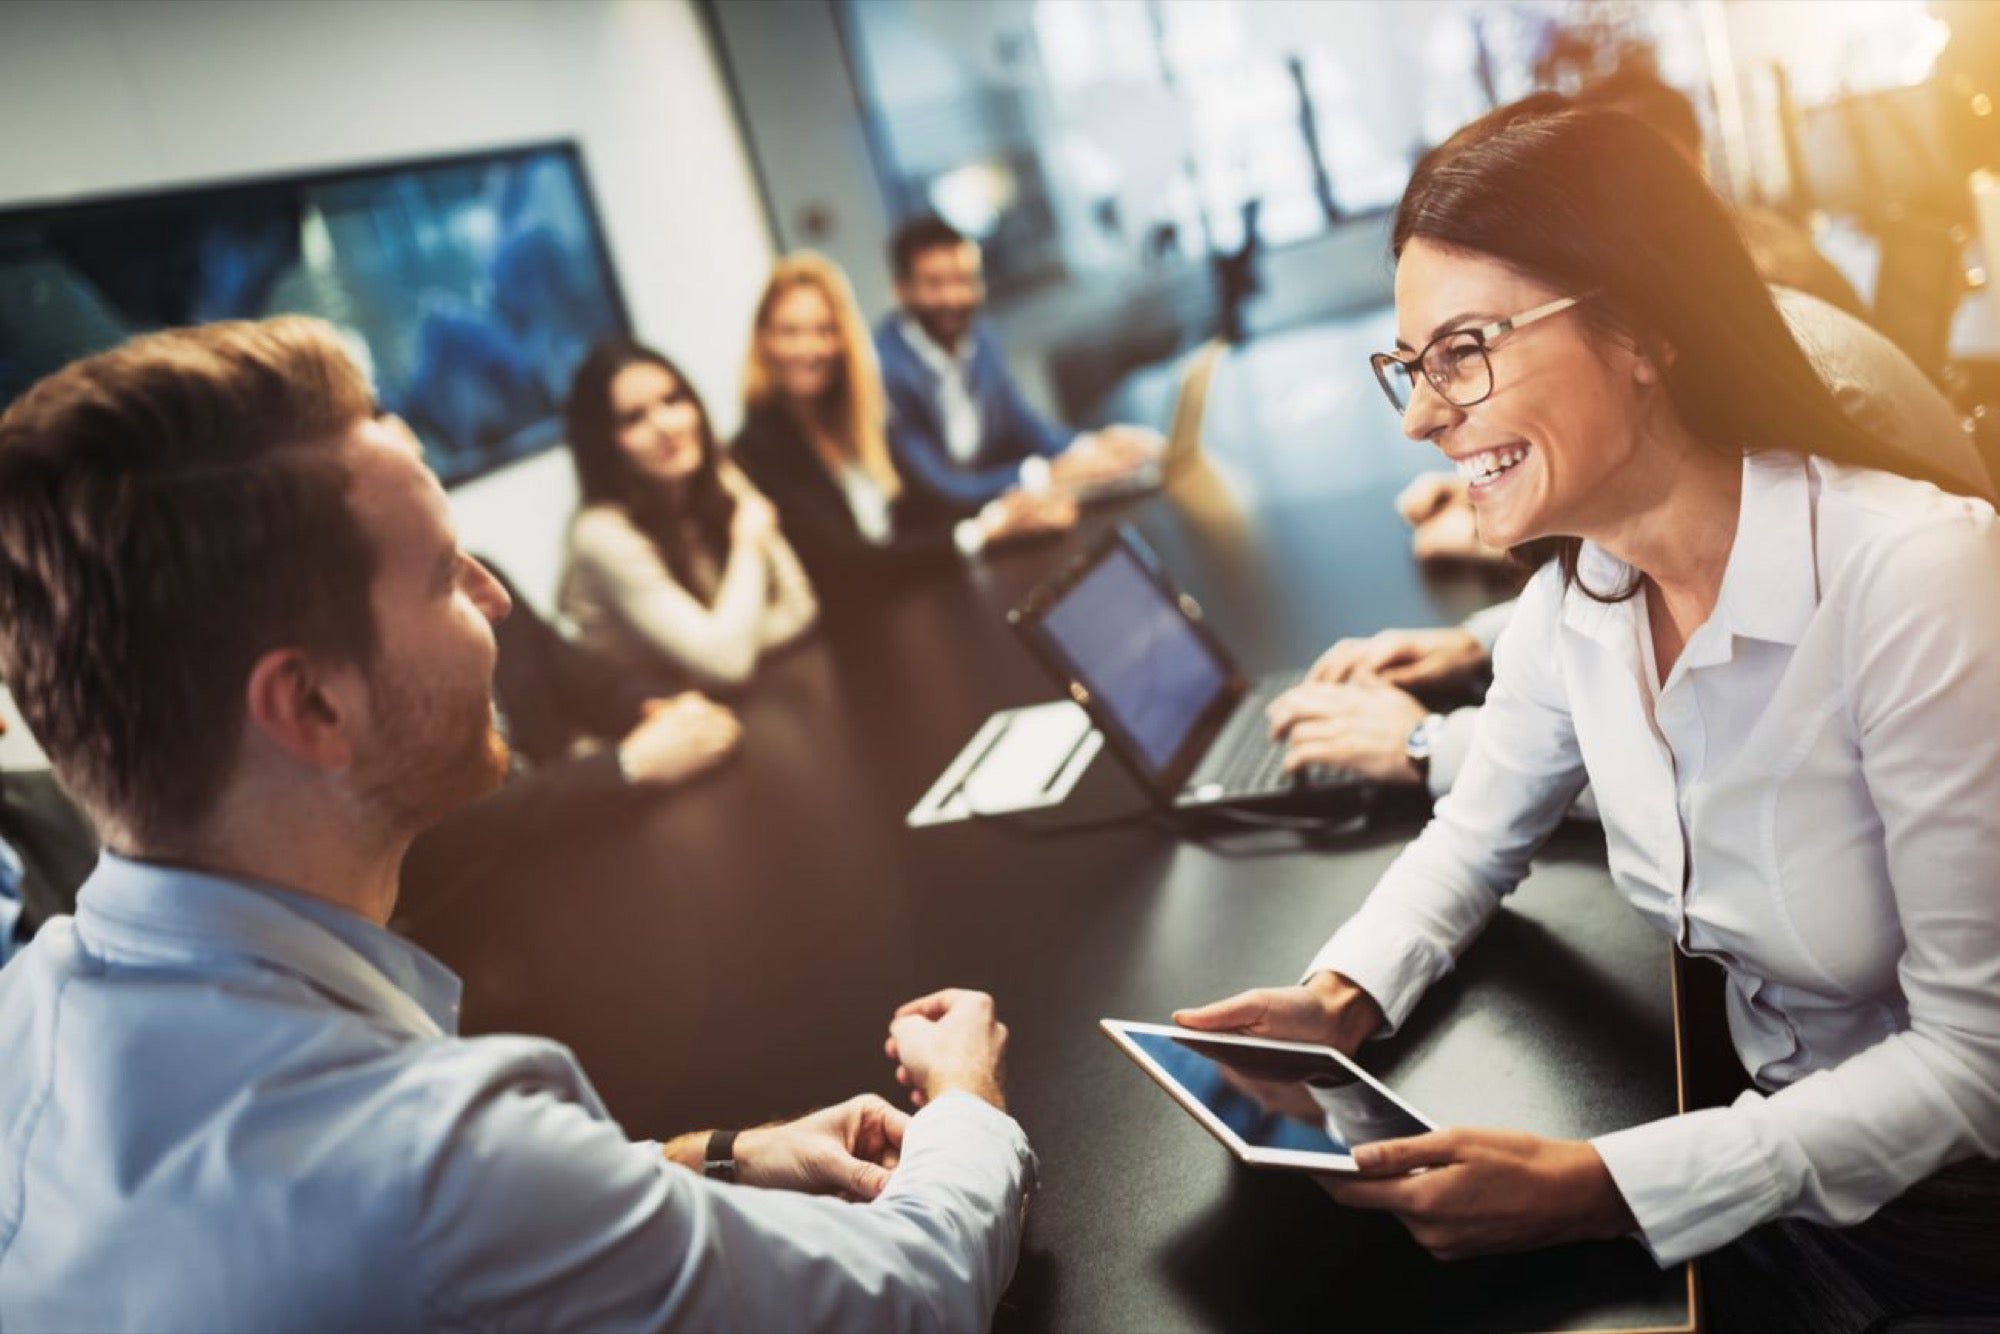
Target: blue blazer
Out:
[1011,430]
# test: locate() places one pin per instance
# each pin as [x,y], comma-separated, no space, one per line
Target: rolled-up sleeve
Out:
[1521,772]
[536,1212]
[1923,662]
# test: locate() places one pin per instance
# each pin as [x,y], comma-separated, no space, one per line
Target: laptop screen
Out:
[1125,639]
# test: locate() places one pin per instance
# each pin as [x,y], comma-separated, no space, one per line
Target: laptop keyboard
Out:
[1245,761]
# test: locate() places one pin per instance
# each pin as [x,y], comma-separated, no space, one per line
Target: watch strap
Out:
[718,1161]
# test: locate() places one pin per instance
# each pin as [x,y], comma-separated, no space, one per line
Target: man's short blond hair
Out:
[170,511]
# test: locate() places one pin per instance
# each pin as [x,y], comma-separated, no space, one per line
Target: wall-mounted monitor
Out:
[469,286]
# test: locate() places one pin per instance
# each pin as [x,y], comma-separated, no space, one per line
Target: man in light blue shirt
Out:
[234,1100]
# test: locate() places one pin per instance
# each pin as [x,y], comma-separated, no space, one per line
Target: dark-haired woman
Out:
[676,564]
[1777,662]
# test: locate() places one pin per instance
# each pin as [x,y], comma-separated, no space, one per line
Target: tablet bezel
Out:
[1163,784]
[1296,1160]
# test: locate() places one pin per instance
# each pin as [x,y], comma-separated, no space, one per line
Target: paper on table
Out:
[1019,760]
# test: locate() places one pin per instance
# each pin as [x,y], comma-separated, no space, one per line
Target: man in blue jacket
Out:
[959,426]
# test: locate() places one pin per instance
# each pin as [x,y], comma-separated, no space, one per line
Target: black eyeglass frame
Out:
[1483,337]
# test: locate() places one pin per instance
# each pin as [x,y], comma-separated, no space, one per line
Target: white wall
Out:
[803,109]
[99,96]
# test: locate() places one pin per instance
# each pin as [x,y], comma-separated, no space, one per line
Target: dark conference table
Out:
[731,954]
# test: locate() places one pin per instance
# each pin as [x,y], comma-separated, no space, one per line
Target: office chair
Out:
[1918,287]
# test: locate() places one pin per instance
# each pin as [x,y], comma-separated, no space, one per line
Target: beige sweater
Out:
[626,605]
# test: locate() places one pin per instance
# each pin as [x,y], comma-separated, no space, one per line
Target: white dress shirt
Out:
[1811,798]
[958,407]
[226,1106]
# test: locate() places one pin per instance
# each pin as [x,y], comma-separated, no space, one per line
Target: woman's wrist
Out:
[1352,1015]
[1601,1206]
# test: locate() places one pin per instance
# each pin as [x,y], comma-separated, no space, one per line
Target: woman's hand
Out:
[1406,658]
[678,739]
[1452,534]
[1430,494]
[1475,1192]
[1327,1009]
[753,523]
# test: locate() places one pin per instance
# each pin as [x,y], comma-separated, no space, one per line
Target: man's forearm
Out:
[986,1088]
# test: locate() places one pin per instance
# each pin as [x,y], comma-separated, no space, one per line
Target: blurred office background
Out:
[1143,173]
[1118,157]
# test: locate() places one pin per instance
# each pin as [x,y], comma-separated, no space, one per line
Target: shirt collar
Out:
[149,913]
[1770,586]
[934,356]
[1604,574]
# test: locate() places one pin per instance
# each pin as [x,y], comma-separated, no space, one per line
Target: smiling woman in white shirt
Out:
[1774,653]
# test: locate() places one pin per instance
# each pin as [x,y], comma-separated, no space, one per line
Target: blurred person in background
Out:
[959,427]
[677,567]
[814,440]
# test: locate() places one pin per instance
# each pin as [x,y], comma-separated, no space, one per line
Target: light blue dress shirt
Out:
[228,1106]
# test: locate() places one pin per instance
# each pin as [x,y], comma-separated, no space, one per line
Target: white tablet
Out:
[1274,1104]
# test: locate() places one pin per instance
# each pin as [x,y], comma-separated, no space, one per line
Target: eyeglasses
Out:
[1456,362]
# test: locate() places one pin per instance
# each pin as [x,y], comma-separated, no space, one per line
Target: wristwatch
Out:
[1421,741]
[718,1161]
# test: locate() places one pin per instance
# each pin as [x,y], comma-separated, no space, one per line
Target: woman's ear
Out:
[1649,365]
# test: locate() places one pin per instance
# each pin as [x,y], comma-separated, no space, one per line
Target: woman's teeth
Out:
[1485,467]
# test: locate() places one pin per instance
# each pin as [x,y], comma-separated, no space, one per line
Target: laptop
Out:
[1172,704]
[1183,434]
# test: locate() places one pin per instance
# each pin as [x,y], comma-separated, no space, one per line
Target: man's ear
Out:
[293,703]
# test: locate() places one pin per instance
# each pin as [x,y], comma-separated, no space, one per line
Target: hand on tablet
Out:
[1475,1192]
[1327,1009]
[948,1040]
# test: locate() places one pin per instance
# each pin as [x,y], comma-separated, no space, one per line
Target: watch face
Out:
[1422,736]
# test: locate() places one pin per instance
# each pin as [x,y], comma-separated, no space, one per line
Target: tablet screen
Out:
[1134,649]
[1271,1098]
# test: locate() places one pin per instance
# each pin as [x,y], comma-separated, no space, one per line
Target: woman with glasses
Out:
[1771,646]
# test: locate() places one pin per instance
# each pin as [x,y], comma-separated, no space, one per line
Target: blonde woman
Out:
[814,441]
